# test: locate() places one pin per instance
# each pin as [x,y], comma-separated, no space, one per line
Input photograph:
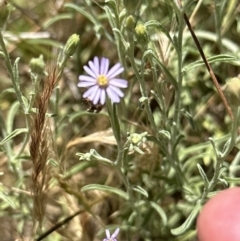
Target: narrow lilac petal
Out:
[97,96]
[91,91]
[94,92]
[93,67]
[87,78]
[104,66]
[90,71]
[85,84]
[114,235]
[107,233]
[115,70]
[102,97]
[121,83]
[116,90]
[87,93]
[96,64]
[112,95]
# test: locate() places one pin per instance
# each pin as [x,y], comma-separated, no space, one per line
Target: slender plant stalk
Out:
[220,158]
[59,224]
[179,78]
[11,72]
[213,77]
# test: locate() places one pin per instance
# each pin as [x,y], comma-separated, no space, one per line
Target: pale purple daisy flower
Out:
[113,237]
[102,81]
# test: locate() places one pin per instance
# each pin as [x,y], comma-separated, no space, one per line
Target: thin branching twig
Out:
[209,68]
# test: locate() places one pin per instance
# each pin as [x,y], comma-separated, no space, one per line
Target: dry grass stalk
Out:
[40,147]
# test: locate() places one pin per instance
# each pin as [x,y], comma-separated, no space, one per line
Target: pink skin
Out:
[219,219]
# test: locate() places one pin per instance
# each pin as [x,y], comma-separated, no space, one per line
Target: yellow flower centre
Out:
[102,80]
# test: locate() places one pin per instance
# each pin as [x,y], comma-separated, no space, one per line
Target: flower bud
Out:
[71,45]
[232,92]
[130,23]
[141,34]
[136,138]
[37,65]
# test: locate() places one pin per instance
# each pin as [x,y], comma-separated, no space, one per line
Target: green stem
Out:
[7,146]
[119,164]
[26,137]
[11,72]
[114,120]
[176,117]
[142,87]
[222,156]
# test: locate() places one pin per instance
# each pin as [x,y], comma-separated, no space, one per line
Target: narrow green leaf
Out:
[13,134]
[140,190]
[233,180]
[78,168]
[115,123]
[105,189]
[165,134]
[163,68]
[154,23]
[6,91]
[25,101]
[203,175]
[16,72]
[160,211]
[223,181]
[7,200]
[186,225]
[217,58]
[57,18]
[11,115]
[82,11]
